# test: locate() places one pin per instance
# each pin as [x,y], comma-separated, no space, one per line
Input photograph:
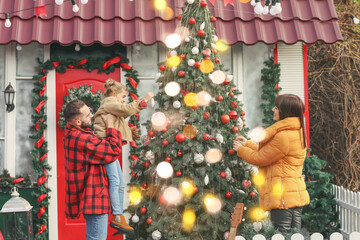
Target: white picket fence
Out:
[348,205]
[298,236]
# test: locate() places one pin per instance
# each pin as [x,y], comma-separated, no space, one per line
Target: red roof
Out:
[126,22]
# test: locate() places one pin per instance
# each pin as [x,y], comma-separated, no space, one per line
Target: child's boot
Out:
[119,222]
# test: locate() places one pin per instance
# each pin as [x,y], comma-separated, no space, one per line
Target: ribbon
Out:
[43,78]
[43,157]
[18,180]
[133,157]
[41,211]
[81,62]
[40,142]
[42,91]
[137,116]
[131,125]
[36,128]
[133,144]
[133,82]
[55,64]
[125,66]
[41,180]
[133,96]
[42,229]
[40,10]
[70,66]
[111,62]
[41,197]
[38,108]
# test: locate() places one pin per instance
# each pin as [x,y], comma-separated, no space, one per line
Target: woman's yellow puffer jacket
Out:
[280,157]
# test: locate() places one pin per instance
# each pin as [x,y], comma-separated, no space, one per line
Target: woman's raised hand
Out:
[238,142]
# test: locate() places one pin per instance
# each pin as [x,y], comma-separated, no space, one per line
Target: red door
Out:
[70,229]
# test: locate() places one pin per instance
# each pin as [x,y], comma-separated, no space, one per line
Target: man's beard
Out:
[85,125]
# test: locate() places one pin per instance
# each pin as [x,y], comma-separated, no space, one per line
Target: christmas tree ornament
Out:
[188,219]
[194,107]
[212,203]
[181,73]
[214,38]
[179,154]
[191,99]
[213,19]
[195,50]
[219,98]
[213,155]
[242,113]
[206,179]
[135,196]
[203,3]
[208,58]
[206,115]
[180,137]
[254,171]
[187,39]
[152,102]
[149,155]
[203,98]
[253,2]
[228,195]
[162,68]
[172,195]
[231,94]
[198,158]
[176,104]
[223,175]
[191,62]
[156,235]
[195,189]
[146,164]
[168,159]
[201,33]
[190,1]
[190,131]
[202,26]
[217,60]
[187,187]
[257,226]
[192,20]
[158,121]
[182,56]
[230,77]
[179,17]
[173,53]
[206,52]
[205,42]
[206,137]
[228,174]
[143,210]
[226,81]
[246,184]
[234,104]
[149,220]
[219,138]
[235,129]
[233,115]
[226,235]
[135,218]
[225,119]
[197,64]
[231,151]
[252,194]
[173,69]
[178,173]
[164,170]
[206,66]
[239,123]
[144,185]
[165,143]
[164,130]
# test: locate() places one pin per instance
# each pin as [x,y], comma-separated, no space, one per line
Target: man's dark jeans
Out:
[286,219]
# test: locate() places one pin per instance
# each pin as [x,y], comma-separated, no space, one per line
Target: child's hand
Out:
[148,96]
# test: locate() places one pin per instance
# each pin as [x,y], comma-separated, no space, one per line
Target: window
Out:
[2,108]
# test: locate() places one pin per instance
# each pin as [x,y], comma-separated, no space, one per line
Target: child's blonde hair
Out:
[113,87]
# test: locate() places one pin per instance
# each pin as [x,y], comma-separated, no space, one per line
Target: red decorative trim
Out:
[276,61]
[306,94]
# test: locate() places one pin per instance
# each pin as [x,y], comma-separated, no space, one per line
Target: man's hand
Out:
[148,96]
[135,132]
[109,120]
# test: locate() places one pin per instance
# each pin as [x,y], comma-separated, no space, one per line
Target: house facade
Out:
[136,30]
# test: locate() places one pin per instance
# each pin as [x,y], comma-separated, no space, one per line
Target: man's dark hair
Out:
[72,109]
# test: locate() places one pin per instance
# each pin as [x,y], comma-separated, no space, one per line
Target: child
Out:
[113,102]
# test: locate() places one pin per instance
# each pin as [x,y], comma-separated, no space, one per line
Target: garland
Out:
[40,150]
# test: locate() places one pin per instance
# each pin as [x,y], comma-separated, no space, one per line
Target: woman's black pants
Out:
[286,219]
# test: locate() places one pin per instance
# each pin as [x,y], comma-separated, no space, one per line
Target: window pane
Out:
[2,150]
[27,64]
[2,88]
[225,58]
[140,59]
[23,123]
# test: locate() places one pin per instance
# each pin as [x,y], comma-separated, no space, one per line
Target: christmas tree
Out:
[189,179]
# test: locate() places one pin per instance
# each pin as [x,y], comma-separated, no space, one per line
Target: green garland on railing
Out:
[39,118]
[270,76]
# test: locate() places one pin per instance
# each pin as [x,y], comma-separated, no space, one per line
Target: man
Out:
[86,184]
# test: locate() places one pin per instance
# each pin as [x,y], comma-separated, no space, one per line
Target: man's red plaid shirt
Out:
[86,183]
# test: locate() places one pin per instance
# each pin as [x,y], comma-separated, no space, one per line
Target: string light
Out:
[75,6]
[258,7]
[18,47]
[77,47]
[7,20]
[84,1]
[355,19]
[59,2]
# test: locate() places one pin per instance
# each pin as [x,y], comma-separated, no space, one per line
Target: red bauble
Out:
[149,220]
[213,19]
[179,16]
[165,142]
[225,118]
[196,190]
[168,122]
[179,154]
[231,94]
[231,151]
[180,137]
[232,88]
[242,113]
[181,73]
[201,33]
[206,137]
[162,68]
[203,4]
[223,174]
[197,64]
[183,56]
[233,115]
[217,60]
[143,210]
[206,115]
[144,185]
[164,130]
[234,104]
[178,173]
[219,98]
[168,159]
[252,194]
[146,164]
[235,129]
[226,81]
[243,123]
[207,58]
[151,133]
[192,20]
[162,200]
[194,107]
[228,195]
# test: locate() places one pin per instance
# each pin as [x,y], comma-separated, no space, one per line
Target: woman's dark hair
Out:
[290,105]
[72,109]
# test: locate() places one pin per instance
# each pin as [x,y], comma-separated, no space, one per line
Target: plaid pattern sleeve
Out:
[86,184]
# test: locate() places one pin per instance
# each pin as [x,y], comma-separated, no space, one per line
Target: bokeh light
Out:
[188,219]
[135,195]
[167,13]
[160,4]
[187,187]
[257,134]
[190,131]
[173,40]
[258,179]
[203,98]
[172,89]
[173,61]
[218,77]
[206,66]
[172,195]
[244,1]
[158,121]
[212,203]
[164,170]
[213,155]
[222,45]
[256,214]
[191,99]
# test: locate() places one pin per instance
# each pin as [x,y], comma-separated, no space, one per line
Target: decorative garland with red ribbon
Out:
[40,150]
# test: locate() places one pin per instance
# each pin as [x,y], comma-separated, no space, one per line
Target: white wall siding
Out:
[292,69]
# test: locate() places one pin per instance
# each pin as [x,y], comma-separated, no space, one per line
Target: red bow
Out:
[42,229]
[40,10]
[18,180]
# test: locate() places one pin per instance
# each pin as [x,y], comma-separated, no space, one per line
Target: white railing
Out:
[348,205]
[298,236]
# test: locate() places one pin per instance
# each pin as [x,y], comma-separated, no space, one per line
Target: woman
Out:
[280,157]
